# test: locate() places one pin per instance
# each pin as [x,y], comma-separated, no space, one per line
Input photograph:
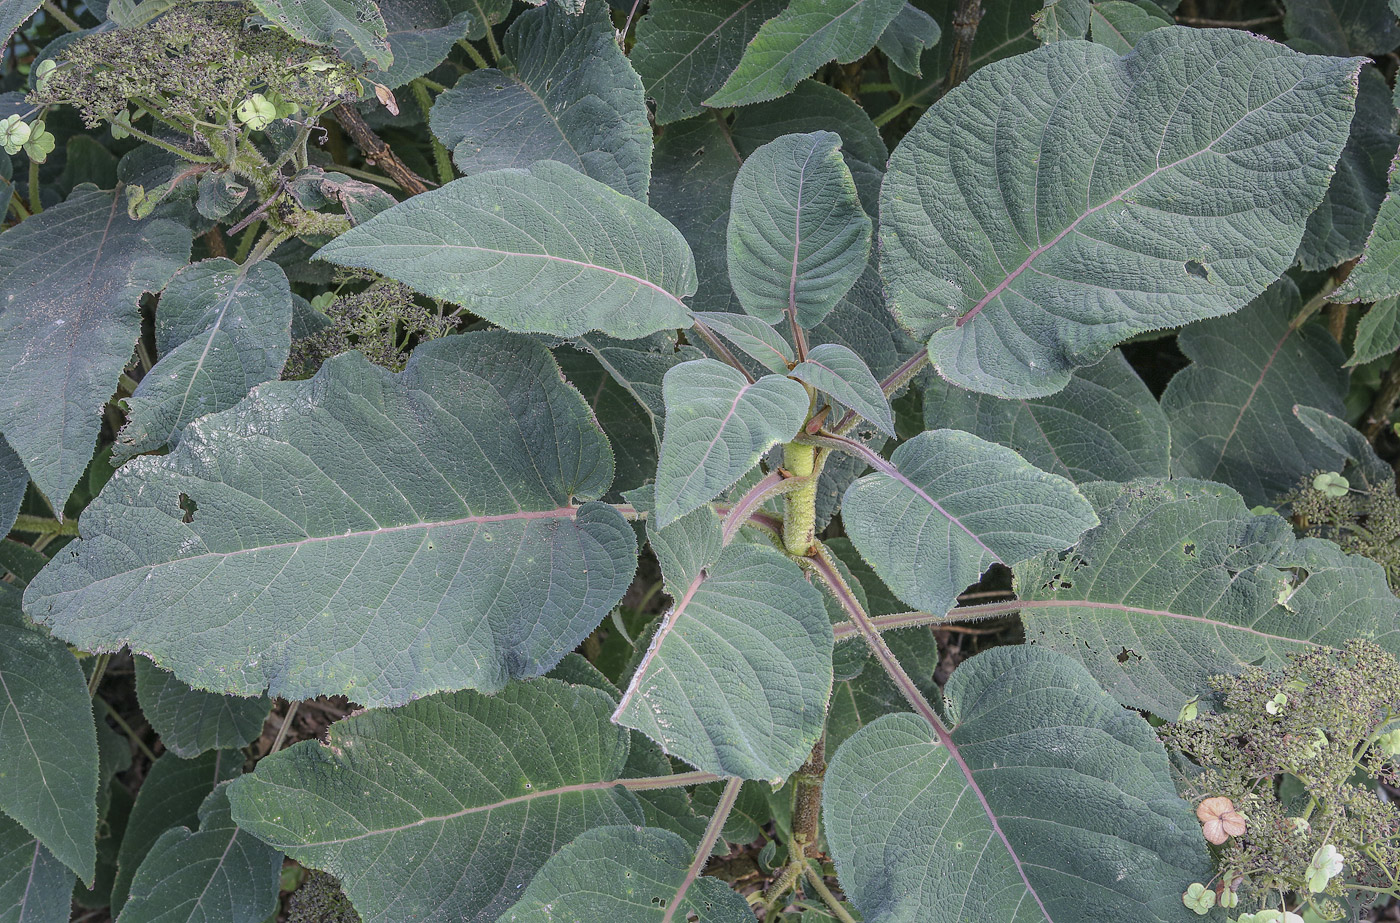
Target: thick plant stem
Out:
[43,525]
[1384,404]
[707,845]
[835,906]
[965,20]
[800,506]
[376,151]
[807,801]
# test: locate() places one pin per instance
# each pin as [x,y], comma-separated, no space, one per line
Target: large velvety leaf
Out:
[420,35]
[169,796]
[1047,802]
[484,13]
[71,280]
[948,505]
[626,875]
[797,41]
[1083,239]
[908,34]
[543,250]
[798,237]
[842,374]
[191,721]
[13,13]
[572,97]
[48,742]
[718,425]
[354,27]
[755,338]
[1231,410]
[1343,27]
[375,535]
[1120,25]
[1105,426]
[737,676]
[1181,582]
[220,874]
[14,480]
[1378,333]
[1337,231]
[34,886]
[444,809]
[687,48]
[221,329]
[1377,276]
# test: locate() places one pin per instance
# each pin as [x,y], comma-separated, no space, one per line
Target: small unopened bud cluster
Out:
[383,323]
[1288,795]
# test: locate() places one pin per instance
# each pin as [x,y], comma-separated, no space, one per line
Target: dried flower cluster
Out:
[1289,783]
[1361,521]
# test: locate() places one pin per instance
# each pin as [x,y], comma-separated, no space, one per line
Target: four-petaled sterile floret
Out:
[13,133]
[1326,864]
[1199,898]
[40,144]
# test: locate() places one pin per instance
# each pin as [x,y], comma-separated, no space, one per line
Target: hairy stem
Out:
[965,20]
[807,801]
[126,729]
[800,505]
[834,905]
[68,22]
[43,525]
[707,845]
[441,159]
[890,386]
[475,55]
[286,725]
[719,349]
[99,669]
[377,152]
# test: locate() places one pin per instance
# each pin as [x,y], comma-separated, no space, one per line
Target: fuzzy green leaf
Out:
[362,533]
[221,329]
[842,374]
[169,796]
[1378,333]
[572,97]
[1082,239]
[34,886]
[14,480]
[1047,802]
[48,742]
[541,250]
[948,505]
[13,14]
[798,237]
[1343,27]
[71,281]
[420,33]
[718,425]
[191,721]
[444,809]
[687,48]
[354,27]
[1105,426]
[1120,25]
[797,41]
[737,676]
[485,14]
[1377,275]
[908,34]
[220,874]
[626,875]
[1181,582]
[753,336]
[1231,410]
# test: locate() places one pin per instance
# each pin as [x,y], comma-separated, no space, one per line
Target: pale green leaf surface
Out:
[445,809]
[362,533]
[949,505]
[484,13]
[839,372]
[220,874]
[625,875]
[48,741]
[542,250]
[1231,410]
[1062,20]
[192,721]
[1083,238]
[1377,333]
[572,97]
[34,886]
[71,281]
[1343,27]
[804,36]
[14,480]
[221,329]
[169,796]
[1120,24]
[1337,230]
[1377,275]
[737,676]
[354,27]
[13,14]
[420,35]
[753,336]
[798,237]
[1104,426]
[1189,583]
[686,49]
[1048,803]
[908,34]
[1362,462]
[718,425]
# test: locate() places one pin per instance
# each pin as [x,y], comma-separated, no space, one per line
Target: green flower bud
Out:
[40,144]
[1190,710]
[257,112]
[13,133]
[1199,898]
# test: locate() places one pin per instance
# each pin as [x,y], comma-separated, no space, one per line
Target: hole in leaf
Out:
[1189,549]
[1125,655]
[1198,269]
[189,506]
[659,902]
